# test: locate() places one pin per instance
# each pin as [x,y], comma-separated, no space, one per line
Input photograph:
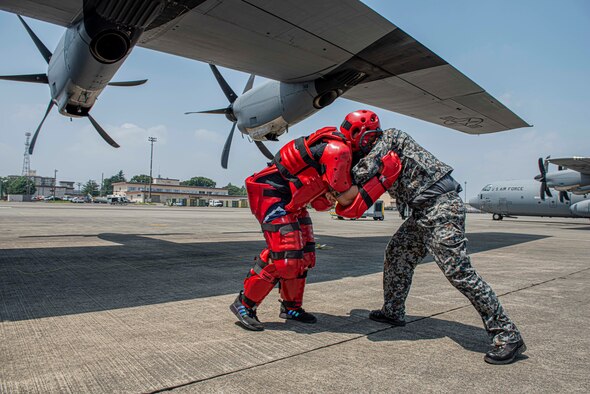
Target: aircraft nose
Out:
[474,202]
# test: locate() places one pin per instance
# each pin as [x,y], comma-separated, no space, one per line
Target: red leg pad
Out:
[292,292]
[257,287]
[286,245]
[308,239]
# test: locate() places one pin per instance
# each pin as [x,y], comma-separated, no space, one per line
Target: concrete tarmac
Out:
[97,298]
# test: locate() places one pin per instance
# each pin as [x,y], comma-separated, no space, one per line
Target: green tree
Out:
[235,190]
[140,179]
[199,181]
[90,188]
[21,185]
[3,186]
[107,185]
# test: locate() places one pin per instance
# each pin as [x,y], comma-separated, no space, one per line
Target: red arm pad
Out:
[390,170]
[367,195]
[321,204]
[374,188]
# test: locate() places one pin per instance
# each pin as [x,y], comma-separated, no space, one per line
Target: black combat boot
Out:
[246,316]
[506,353]
[298,314]
[379,316]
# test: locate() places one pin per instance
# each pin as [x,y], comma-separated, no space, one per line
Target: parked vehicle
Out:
[215,203]
[120,200]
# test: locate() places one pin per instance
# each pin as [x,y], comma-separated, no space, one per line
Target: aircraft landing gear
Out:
[497,216]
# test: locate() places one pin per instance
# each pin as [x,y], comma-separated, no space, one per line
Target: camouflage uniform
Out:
[435,226]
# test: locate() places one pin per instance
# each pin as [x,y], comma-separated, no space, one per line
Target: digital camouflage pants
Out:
[438,228]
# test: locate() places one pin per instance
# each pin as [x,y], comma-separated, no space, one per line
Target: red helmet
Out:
[361,128]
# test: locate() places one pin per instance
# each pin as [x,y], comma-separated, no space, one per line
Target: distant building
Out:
[46,186]
[171,192]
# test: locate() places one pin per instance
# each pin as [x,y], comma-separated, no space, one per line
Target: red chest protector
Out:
[305,175]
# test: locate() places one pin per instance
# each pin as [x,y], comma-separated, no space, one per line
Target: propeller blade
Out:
[561,197]
[226,146]
[32,146]
[542,192]
[220,111]
[264,150]
[542,168]
[547,190]
[46,53]
[229,93]
[249,83]
[37,78]
[128,83]
[102,132]
[566,196]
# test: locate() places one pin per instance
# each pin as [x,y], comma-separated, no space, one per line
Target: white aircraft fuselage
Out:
[521,198]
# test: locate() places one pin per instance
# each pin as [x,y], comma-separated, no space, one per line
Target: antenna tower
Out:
[27,157]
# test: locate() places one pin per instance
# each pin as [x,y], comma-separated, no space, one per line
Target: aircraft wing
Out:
[580,164]
[302,40]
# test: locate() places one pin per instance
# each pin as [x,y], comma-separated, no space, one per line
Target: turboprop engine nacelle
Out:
[84,63]
[581,209]
[265,112]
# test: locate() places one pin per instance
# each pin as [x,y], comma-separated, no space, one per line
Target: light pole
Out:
[151,140]
[54,183]
[465,191]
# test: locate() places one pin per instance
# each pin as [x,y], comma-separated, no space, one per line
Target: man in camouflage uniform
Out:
[436,225]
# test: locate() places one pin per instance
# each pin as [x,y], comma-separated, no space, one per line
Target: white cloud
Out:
[203,135]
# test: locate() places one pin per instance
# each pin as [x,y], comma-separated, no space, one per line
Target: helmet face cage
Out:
[361,128]
[368,139]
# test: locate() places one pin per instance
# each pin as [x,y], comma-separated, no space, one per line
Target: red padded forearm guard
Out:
[374,188]
[321,204]
[367,195]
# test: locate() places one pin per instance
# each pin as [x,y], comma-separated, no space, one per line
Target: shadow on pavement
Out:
[418,328]
[143,270]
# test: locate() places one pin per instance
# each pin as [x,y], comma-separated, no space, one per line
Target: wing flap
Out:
[397,95]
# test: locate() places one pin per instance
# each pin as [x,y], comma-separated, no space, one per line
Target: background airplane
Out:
[315,52]
[521,198]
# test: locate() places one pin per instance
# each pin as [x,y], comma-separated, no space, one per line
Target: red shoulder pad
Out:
[320,134]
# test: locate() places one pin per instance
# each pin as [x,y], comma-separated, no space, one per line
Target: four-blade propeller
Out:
[542,177]
[43,78]
[229,114]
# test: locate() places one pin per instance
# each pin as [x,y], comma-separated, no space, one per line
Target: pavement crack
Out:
[196,381]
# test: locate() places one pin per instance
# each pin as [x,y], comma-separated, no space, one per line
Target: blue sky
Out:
[532,55]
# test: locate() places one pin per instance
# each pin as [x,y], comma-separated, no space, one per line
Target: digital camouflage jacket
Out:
[420,168]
